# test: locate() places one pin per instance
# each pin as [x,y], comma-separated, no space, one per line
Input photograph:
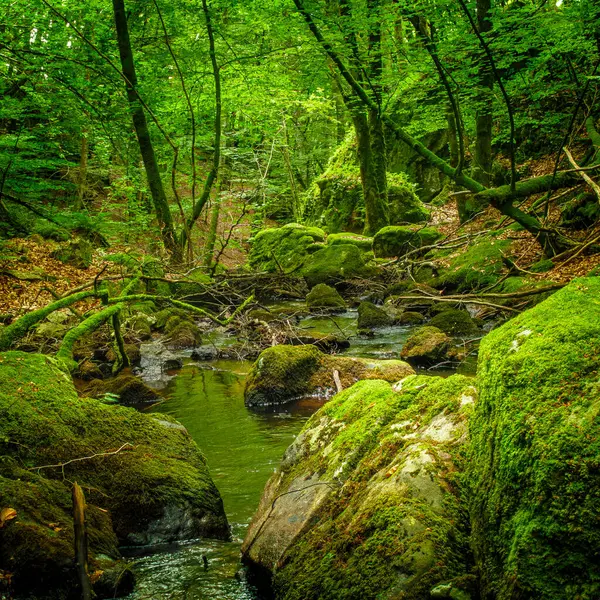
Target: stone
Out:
[372,317]
[398,240]
[77,253]
[426,346]
[323,297]
[411,318]
[455,322]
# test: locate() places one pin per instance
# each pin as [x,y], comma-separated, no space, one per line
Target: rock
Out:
[427,346]
[411,318]
[283,248]
[153,473]
[205,353]
[286,373]
[362,242]
[404,205]
[365,500]
[131,390]
[325,342]
[156,359]
[181,333]
[261,314]
[325,298]
[132,351]
[162,317]
[88,370]
[77,253]
[455,322]
[398,240]
[535,450]
[372,317]
[335,263]
[139,328]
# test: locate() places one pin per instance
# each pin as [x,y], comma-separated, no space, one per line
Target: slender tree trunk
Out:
[83,162]
[161,206]
[482,157]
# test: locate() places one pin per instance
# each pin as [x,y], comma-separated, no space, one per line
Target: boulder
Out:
[323,297]
[283,248]
[398,240]
[365,503]
[411,318]
[145,480]
[535,450]
[372,317]
[335,263]
[426,346]
[181,333]
[77,253]
[404,204]
[362,242]
[130,390]
[138,328]
[283,374]
[455,322]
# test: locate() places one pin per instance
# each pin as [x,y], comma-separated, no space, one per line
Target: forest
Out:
[299,299]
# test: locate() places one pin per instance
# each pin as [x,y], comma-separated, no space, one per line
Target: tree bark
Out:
[161,206]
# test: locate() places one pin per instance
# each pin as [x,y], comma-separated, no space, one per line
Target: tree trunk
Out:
[83,162]
[161,206]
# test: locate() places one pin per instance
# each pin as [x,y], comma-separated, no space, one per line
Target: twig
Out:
[584,175]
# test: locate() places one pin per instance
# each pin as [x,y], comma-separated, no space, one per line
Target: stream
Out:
[243,448]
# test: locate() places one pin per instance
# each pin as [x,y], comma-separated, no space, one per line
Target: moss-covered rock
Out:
[335,263]
[144,470]
[372,317]
[362,242]
[365,503]
[404,204]
[426,346]
[535,451]
[162,317]
[283,248]
[130,390]
[411,318]
[138,328]
[77,253]
[398,240]
[454,321]
[324,297]
[181,333]
[286,373]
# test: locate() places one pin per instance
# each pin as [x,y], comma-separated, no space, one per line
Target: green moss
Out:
[398,240]
[404,204]
[455,322]
[360,241]
[372,317]
[284,248]
[393,526]
[335,263]
[542,266]
[129,389]
[426,346]
[162,317]
[77,253]
[535,451]
[475,266]
[44,422]
[183,334]
[323,296]
[411,318]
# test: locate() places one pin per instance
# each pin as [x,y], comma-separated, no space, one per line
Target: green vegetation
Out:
[324,297]
[396,241]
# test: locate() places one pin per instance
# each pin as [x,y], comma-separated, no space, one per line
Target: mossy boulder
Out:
[283,248]
[535,451]
[398,240]
[404,204]
[411,318]
[77,253]
[138,328]
[336,263]
[371,316]
[323,297]
[146,481]
[162,317]
[283,374]
[362,242]
[426,346]
[181,333]
[455,322]
[130,390]
[365,503]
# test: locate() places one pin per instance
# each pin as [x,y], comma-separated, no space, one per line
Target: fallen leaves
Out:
[6,515]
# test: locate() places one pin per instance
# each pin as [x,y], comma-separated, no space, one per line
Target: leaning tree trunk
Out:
[161,206]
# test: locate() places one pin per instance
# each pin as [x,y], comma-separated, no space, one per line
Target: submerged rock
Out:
[286,373]
[323,297]
[365,503]
[426,346]
[145,482]
[535,452]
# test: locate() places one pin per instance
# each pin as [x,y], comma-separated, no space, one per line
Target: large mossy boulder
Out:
[535,451]
[426,346]
[398,240]
[456,322]
[366,503]
[404,204]
[283,374]
[181,332]
[283,248]
[336,263]
[323,297]
[371,316]
[362,242]
[145,480]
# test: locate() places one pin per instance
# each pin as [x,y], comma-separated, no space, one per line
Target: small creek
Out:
[243,448]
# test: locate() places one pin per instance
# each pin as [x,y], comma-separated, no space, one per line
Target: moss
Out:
[391,524]
[282,249]
[286,373]
[542,266]
[404,204]
[478,265]
[398,240]
[411,318]
[426,346]
[131,390]
[535,451]
[335,263]
[183,334]
[43,422]
[455,322]
[323,296]
[163,316]
[372,317]
[77,253]
[140,327]
[360,241]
